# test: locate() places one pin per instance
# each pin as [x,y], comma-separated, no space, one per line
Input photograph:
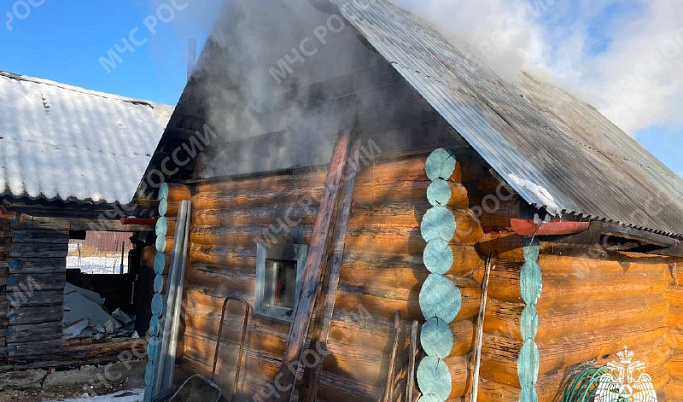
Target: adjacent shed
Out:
[70,161]
[360,177]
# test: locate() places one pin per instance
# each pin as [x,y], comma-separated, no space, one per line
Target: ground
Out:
[129,391]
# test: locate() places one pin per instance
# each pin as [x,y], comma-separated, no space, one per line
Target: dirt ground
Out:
[67,391]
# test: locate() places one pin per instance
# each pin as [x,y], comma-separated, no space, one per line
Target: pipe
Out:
[139,221]
[527,228]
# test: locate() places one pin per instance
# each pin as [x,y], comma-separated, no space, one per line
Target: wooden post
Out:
[389,390]
[410,382]
[311,381]
[480,331]
[314,263]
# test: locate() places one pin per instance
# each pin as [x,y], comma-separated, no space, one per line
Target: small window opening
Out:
[278,279]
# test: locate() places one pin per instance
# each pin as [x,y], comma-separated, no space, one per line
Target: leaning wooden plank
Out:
[389,389]
[313,379]
[314,262]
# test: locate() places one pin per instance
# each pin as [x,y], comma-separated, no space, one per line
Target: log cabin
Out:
[70,160]
[403,223]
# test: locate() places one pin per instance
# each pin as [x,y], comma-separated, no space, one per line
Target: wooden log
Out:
[38,348]
[37,298]
[34,332]
[463,337]
[496,214]
[35,250]
[436,338]
[36,265]
[440,298]
[257,198]
[33,315]
[317,250]
[434,379]
[381,193]
[274,182]
[178,192]
[447,194]
[438,223]
[442,258]
[468,229]
[490,391]
[35,282]
[248,237]
[287,215]
[207,277]
[40,236]
[441,164]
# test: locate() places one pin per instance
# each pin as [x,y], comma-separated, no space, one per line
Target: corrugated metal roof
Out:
[60,142]
[554,150]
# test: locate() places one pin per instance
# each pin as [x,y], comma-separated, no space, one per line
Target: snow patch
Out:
[540,192]
[134,395]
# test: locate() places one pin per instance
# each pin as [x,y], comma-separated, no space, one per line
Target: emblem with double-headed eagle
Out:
[626,381]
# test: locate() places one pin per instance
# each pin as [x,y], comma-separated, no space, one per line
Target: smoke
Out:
[624,57]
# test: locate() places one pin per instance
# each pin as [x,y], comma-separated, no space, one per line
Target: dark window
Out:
[278,279]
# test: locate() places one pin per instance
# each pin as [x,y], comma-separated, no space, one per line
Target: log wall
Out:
[5,241]
[34,291]
[674,296]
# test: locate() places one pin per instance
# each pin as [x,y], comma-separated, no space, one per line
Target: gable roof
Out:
[554,150]
[60,142]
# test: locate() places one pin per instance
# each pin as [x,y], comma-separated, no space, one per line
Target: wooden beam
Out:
[641,236]
[314,263]
[75,224]
[312,379]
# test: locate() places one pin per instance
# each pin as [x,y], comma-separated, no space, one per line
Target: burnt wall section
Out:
[35,290]
[5,242]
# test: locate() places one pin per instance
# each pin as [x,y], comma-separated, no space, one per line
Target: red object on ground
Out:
[139,221]
[527,227]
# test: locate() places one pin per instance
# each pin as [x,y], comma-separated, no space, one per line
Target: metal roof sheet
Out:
[554,150]
[60,142]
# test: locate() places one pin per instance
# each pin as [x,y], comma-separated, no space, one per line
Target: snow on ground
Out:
[134,395]
[97,265]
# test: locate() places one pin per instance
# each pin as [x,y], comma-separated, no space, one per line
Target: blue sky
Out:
[64,41]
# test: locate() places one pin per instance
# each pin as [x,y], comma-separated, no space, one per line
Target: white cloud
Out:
[636,82]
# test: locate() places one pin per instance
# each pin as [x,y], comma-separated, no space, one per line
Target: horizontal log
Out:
[35,282]
[178,192]
[37,298]
[207,276]
[384,302]
[38,348]
[390,192]
[441,164]
[226,256]
[491,391]
[257,198]
[37,265]
[40,236]
[34,332]
[585,346]
[273,182]
[499,359]
[447,194]
[34,315]
[288,215]
[248,237]
[503,318]
[553,264]
[496,213]
[34,250]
